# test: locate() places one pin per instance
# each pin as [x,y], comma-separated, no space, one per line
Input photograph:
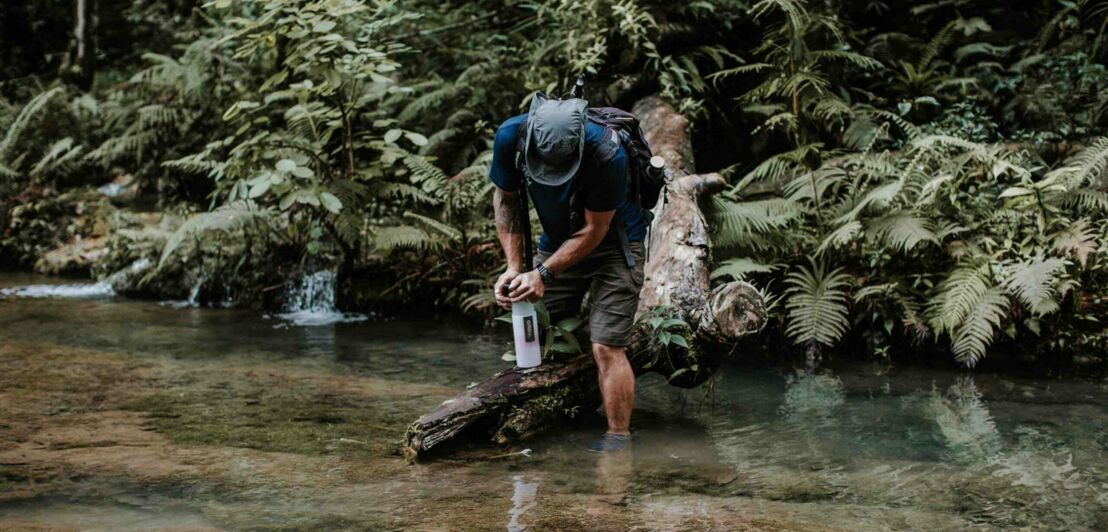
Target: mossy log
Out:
[517,403]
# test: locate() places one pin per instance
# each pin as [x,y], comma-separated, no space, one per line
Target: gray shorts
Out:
[613,290]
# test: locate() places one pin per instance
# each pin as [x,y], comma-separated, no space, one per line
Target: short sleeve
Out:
[503,171]
[608,189]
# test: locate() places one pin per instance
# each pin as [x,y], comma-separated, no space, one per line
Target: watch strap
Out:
[544,273]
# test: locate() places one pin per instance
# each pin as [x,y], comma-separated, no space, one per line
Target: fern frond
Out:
[403,191]
[841,236]
[903,230]
[738,268]
[752,68]
[386,239]
[1035,283]
[58,156]
[931,51]
[130,145]
[778,165]
[957,295]
[854,58]
[429,177]
[1078,240]
[1085,199]
[427,102]
[23,120]
[1087,167]
[973,337]
[445,230]
[817,305]
[738,219]
[231,217]
[877,197]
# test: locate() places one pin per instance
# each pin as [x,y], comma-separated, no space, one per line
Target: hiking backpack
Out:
[647,180]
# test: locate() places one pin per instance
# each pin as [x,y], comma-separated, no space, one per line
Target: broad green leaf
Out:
[286,201]
[416,138]
[324,26]
[1013,192]
[259,189]
[392,134]
[330,202]
[570,324]
[286,165]
[679,340]
[303,171]
[572,341]
[565,347]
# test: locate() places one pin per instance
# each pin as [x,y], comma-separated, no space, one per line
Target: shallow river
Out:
[123,415]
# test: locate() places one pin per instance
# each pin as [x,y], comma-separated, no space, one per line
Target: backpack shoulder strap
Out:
[521,141]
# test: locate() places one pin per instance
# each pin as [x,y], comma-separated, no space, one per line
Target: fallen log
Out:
[517,403]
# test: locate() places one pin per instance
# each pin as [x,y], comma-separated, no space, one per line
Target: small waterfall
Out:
[312,302]
[193,300]
[98,289]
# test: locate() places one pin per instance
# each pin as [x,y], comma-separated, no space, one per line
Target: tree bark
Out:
[517,403]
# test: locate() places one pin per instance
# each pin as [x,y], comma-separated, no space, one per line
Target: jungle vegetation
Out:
[907,179]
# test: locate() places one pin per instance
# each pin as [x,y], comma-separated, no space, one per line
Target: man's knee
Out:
[606,355]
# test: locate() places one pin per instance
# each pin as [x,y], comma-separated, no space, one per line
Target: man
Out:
[558,158]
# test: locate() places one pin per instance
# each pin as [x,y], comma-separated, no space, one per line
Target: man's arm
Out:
[583,242]
[509,230]
[529,286]
[509,226]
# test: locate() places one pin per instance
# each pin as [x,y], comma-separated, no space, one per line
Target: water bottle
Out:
[525,327]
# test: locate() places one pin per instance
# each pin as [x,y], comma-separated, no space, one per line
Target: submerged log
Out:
[517,403]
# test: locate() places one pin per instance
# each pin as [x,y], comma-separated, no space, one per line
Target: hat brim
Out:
[545,173]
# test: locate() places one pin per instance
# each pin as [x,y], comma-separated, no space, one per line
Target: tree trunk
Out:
[80,64]
[517,403]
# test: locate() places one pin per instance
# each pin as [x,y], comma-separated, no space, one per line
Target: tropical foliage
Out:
[906,177]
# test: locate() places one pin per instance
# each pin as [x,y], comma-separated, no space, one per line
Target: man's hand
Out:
[498,289]
[527,287]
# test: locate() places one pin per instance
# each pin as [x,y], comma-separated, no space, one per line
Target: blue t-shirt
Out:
[604,188]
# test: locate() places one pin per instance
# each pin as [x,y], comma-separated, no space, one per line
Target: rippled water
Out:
[308,416]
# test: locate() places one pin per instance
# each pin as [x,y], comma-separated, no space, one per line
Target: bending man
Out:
[591,241]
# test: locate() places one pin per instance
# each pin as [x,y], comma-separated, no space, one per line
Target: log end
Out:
[733,310]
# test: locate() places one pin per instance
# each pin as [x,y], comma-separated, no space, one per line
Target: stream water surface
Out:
[126,415]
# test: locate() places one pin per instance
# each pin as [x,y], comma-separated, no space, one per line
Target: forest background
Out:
[908,181]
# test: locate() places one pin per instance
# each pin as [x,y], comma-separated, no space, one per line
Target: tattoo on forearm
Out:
[506,207]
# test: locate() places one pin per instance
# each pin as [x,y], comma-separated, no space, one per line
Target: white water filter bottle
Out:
[525,326]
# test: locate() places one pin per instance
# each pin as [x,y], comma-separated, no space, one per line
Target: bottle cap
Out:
[657,162]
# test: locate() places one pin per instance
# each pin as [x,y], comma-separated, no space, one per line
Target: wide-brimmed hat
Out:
[555,139]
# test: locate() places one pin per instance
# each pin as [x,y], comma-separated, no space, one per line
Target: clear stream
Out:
[122,415]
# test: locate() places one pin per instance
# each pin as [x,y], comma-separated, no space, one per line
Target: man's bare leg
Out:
[617,386]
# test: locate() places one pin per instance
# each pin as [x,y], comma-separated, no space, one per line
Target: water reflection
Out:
[965,425]
[613,478]
[812,398]
[525,489]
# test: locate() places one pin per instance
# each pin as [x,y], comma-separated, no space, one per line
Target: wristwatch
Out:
[545,274]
